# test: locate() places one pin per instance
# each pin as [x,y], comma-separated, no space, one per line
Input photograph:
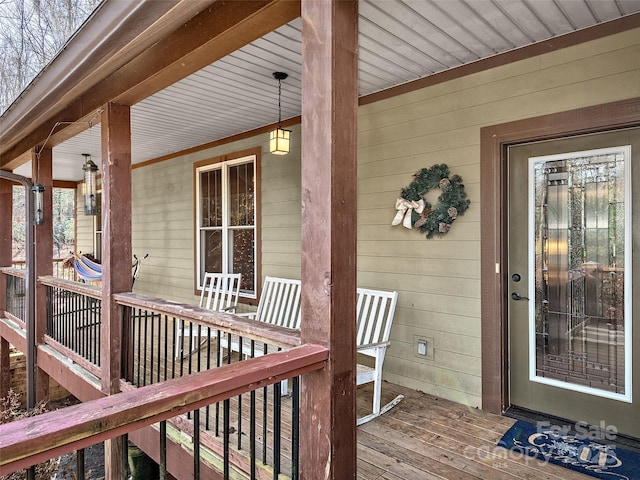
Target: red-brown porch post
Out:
[116,255]
[42,173]
[6,253]
[329,114]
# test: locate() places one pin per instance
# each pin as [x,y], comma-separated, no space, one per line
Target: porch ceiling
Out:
[400,41]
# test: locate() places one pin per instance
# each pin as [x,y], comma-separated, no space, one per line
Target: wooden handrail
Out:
[71,286]
[230,323]
[14,272]
[36,439]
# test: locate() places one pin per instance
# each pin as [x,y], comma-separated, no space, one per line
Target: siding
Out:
[163,218]
[438,280]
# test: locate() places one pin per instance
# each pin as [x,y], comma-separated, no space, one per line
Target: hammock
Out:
[86,269]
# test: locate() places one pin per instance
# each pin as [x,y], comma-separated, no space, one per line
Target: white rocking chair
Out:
[374,315]
[220,292]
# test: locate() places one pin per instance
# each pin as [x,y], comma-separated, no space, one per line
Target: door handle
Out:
[517,296]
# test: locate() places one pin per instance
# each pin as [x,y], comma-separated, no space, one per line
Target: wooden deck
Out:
[425,438]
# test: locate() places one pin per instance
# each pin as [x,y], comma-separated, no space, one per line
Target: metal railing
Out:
[247,432]
[88,423]
[74,315]
[253,432]
[15,292]
[59,268]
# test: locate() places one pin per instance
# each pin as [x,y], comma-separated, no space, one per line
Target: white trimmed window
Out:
[226,220]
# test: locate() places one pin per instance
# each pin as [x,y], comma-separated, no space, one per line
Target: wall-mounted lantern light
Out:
[279,138]
[90,188]
[38,204]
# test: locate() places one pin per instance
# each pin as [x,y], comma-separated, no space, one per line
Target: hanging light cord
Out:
[279,103]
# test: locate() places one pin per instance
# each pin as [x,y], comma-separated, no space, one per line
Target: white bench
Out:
[220,292]
[280,305]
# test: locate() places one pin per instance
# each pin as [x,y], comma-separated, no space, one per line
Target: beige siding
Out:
[84,226]
[163,218]
[438,280]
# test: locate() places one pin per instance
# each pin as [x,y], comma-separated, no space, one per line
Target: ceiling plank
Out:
[215,32]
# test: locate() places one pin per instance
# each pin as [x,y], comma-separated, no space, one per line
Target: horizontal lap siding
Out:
[439,279]
[163,218]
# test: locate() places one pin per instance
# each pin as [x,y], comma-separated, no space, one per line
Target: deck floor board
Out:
[425,437]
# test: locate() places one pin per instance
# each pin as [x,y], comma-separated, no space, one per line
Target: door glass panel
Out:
[580,313]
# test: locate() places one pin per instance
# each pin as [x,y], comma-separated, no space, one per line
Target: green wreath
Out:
[415,212]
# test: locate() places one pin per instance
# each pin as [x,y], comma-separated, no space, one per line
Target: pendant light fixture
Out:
[280,137]
[90,188]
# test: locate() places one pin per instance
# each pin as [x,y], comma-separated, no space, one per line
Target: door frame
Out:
[494,141]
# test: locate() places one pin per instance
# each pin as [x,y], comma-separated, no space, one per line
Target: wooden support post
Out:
[116,255]
[329,182]
[6,207]
[42,173]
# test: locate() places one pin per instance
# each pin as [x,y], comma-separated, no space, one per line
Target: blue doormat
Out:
[577,452]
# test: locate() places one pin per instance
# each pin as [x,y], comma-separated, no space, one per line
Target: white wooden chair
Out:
[220,292]
[279,304]
[374,315]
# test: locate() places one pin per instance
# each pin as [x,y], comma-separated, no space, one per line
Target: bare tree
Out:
[32,32]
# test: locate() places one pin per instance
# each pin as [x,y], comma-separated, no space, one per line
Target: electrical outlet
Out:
[423,347]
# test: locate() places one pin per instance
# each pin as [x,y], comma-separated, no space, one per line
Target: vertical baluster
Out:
[182,350]
[143,346]
[190,342]
[151,344]
[295,429]
[166,344]
[240,357]
[174,349]
[80,475]
[124,459]
[163,450]
[218,364]
[138,348]
[196,444]
[277,428]
[226,435]
[264,419]
[199,348]
[98,333]
[252,423]
[206,420]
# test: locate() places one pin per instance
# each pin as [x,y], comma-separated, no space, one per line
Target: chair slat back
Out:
[220,291]
[374,315]
[280,302]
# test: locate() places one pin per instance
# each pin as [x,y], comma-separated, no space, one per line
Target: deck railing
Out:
[33,440]
[74,314]
[265,424]
[16,293]
[59,268]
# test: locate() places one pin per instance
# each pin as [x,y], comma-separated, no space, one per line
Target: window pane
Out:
[241,191]
[242,258]
[211,254]
[211,198]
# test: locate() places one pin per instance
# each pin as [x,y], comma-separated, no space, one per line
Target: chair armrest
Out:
[373,345]
[251,315]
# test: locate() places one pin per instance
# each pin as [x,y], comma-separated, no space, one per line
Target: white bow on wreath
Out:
[405,208]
